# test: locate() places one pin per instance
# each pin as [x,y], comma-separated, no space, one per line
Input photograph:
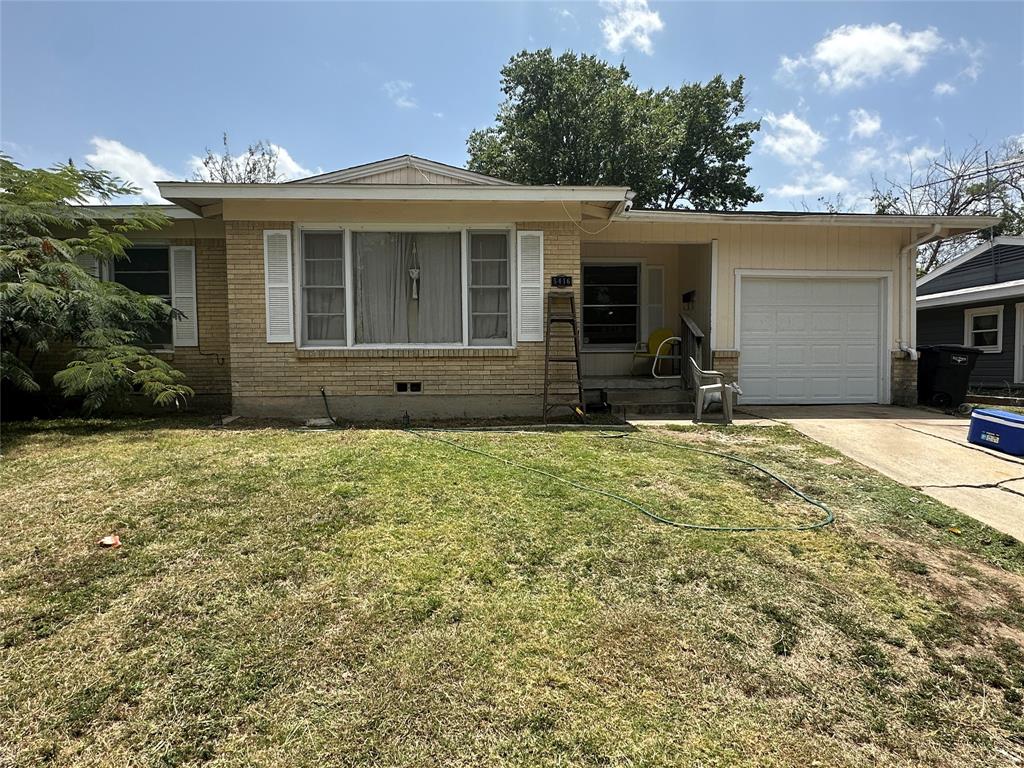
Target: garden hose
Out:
[427,433]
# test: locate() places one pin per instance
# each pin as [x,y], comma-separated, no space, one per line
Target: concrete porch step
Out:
[657,409]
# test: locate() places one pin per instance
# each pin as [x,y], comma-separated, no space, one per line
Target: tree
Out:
[257,166]
[974,181]
[49,303]
[575,119]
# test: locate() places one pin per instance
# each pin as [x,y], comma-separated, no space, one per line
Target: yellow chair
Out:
[655,351]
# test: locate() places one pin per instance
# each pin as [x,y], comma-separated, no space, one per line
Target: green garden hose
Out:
[828,519]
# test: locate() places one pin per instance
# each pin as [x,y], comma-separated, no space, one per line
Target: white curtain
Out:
[489,288]
[386,310]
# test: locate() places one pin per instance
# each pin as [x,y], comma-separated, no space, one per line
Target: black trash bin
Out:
[943,373]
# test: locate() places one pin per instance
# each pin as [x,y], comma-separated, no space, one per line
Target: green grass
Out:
[368,597]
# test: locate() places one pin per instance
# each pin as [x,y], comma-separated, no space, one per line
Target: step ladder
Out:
[562,314]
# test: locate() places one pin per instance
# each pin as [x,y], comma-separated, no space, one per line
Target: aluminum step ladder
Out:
[562,314]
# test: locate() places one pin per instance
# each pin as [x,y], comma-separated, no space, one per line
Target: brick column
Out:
[904,379]
[726,361]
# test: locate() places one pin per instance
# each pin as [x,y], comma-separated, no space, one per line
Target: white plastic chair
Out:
[711,383]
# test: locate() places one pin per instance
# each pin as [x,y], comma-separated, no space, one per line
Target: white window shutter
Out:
[183,295]
[530,267]
[277,262]
[89,263]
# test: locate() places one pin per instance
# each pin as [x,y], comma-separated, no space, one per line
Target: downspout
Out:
[908,320]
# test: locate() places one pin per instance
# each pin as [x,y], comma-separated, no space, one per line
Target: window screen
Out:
[489,293]
[611,304]
[323,288]
[147,270]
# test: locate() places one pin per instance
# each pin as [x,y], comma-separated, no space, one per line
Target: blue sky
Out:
[845,90]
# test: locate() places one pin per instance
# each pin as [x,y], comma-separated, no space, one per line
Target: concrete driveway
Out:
[925,450]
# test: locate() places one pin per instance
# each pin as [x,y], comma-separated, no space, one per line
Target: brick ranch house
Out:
[408,285]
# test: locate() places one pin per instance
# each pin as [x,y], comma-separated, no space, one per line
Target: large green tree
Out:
[575,119]
[51,303]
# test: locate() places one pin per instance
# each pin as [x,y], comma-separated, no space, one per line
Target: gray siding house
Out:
[978,300]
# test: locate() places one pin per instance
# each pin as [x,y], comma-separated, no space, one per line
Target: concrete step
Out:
[651,409]
[629,396]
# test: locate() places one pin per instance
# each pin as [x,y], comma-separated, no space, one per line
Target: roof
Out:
[948,224]
[408,169]
[971,254]
[995,291]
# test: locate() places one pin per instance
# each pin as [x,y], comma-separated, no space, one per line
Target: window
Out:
[611,304]
[489,282]
[983,328]
[147,270]
[323,288]
[408,287]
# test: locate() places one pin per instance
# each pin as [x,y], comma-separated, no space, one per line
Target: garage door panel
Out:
[810,340]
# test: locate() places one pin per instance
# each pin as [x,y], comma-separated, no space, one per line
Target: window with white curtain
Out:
[489,288]
[983,328]
[323,288]
[408,287]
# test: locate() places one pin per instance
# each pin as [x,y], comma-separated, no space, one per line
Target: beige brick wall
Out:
[208,366]
[727,362]
[262,371]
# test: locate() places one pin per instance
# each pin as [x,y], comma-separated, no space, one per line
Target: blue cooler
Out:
[1000,430]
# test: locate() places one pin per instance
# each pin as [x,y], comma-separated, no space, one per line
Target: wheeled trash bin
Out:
[943,373]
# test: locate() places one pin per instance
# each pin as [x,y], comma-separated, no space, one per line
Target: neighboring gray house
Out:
[978,300]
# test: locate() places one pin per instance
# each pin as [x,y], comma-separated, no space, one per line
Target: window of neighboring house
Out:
[611,304]
[489,288]
[147,270]
[983,328]
[323,288]
[407,287]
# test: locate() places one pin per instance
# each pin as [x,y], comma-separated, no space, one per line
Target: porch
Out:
[632,291]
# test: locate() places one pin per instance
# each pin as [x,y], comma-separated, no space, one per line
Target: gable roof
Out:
[971,254]
[993,292]
[404,169]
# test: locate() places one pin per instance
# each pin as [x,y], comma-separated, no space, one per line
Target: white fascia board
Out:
[1007,290]
[170,211]
[976,251]
[183,190]
[959,223]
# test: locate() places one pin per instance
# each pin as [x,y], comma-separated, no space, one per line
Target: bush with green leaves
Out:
[49,303]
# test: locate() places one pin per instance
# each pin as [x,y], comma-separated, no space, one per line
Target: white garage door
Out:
[810,340]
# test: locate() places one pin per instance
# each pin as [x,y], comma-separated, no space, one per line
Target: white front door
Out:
[810,339]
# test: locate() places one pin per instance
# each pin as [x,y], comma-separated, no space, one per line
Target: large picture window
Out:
[147,270]
[408,287]
[611,304]
[489,288]
[323,288]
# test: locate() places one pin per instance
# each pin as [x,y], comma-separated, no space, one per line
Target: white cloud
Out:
[129,164]
[438,115]
[864,124]
[816,184]
[629,22]
[866,158]
[944,89]
[791,139]
[918,156]
[851,56]
[975,53]
[399,91]
[287,167]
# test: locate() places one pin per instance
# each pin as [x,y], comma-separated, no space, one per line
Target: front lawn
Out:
[369,597]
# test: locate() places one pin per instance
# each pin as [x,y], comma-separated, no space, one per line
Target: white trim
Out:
[464,245]
[299,269]
[973,312]
[210,192]
[713,321]
[1008,290]
[885,300]
[961,223]
[1018,346]
[976,251]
